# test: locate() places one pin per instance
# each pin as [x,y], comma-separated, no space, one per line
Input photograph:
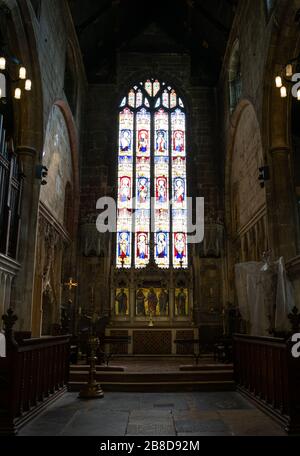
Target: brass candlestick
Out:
[93,389]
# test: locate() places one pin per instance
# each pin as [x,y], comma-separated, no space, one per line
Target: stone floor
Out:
[151,414]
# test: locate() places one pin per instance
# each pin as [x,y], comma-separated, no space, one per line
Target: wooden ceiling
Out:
[199,27]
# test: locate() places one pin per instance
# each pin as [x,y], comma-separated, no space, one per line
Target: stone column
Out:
[23,291]
[2,294]
[283,224]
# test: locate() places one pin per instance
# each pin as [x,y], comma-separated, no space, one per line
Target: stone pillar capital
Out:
[26,151]
[280,149]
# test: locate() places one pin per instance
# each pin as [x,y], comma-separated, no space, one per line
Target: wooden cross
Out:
[71,284]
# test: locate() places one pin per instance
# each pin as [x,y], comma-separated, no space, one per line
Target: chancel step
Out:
[214,379]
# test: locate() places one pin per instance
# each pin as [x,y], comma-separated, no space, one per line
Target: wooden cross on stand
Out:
[71,284]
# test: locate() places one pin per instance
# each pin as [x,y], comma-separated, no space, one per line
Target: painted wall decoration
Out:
[122,302]
[181,302]
[57,158]
[152,301]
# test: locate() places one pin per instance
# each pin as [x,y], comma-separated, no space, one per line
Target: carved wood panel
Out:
[185,349]
[152,342]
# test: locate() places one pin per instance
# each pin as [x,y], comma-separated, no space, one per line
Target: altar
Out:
[154,307]
[147,341]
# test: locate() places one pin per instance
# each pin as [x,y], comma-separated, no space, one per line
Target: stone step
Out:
[184,367]
[141,377]
[162,387]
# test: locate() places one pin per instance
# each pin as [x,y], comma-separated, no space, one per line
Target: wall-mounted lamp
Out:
[264,175]
[42,174]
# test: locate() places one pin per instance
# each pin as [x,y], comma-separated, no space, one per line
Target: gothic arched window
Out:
[152,187]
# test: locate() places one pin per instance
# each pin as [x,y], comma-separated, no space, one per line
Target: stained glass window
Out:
[125,189]
[152,167]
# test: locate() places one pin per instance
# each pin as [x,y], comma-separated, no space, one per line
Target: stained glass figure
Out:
[126,140]
[162,242]
[148,87]
[125,189]
[143,190]
[156,88]
[131,99]
[165,98]
[139,99]
[179,191]
[143,120]
[173,99]
[142,249]
[161,133]
[124,247]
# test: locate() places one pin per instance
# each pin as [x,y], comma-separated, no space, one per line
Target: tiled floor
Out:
[150,414]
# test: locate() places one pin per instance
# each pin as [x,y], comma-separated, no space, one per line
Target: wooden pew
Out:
[33,374]
[267,373]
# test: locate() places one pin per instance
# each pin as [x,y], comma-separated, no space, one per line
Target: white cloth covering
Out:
[265,296]
[2,346]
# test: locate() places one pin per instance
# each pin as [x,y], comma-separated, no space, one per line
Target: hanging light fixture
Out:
[28,85]
[7,70]
[289,70]
[2,63]
[283,92]
[288,76]
[22,73]
[18,94]
[278,81]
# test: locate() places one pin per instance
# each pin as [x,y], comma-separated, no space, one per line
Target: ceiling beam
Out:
[93,18]
[218,25]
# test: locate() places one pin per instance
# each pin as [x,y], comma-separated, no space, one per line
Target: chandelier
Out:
[9,66]
[289,76]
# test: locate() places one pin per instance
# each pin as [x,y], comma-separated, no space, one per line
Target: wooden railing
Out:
[266,372]
[32,374]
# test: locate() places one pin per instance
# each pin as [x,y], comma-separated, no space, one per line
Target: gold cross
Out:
[71,284]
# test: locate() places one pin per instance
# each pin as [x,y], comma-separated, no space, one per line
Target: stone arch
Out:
[58,217]
[74,147]
[244,117]
[276,128]
[245,200]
